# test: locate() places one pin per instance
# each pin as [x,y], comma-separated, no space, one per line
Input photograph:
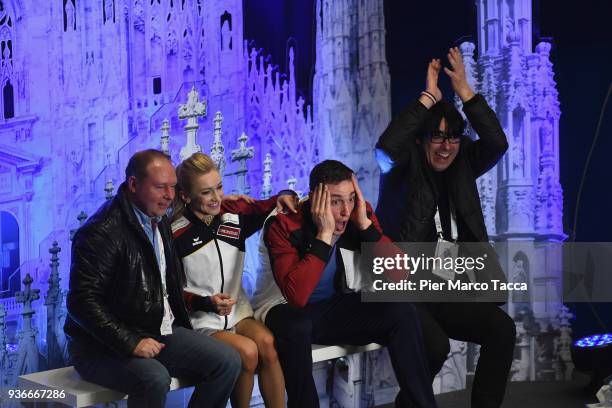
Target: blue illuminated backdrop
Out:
[85,85]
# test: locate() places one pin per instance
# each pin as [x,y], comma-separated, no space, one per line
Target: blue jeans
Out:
[344,319]
[213,365]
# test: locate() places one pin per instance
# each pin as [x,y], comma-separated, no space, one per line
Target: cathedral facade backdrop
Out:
[86,83]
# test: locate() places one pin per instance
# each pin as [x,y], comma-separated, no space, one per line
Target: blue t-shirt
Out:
[325,287]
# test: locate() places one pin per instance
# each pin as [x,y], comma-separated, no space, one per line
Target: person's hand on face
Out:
[223,303]
[148,348]
[359,215]
[321,213]
[457,75]
[287,203]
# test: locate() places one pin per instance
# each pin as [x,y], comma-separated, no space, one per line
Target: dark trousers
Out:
[213,365]
[480,323]
[344,319]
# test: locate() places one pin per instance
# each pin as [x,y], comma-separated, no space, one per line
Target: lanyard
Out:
[168,318]
[453,223]
[162,260]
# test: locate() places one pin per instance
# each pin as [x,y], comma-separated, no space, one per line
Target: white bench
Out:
[80,393]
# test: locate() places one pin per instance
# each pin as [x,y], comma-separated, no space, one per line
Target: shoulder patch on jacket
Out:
[228,232]
[180,226]
[230,218]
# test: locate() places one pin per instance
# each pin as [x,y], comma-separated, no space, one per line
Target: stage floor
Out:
[538,394]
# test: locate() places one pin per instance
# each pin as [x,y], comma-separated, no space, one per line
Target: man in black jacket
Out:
[127,324]
[429,193]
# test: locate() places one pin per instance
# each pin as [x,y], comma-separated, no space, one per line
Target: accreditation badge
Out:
[167,320]
[444,264]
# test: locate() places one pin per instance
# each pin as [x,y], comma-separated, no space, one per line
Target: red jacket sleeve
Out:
[195,302]
[296,277]
[242,207]
[253,214]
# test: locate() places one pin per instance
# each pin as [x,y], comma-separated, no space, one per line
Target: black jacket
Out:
[408,193]
[115,292]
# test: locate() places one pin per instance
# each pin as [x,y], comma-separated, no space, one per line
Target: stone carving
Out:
[70,18]
[27,355]
[109,188]
[562,360]
[191,111]
[165,137]
[351,101]
[56,314]
[241,155]
[266,190]
[217,151]
[138,15]
[520,274]
[109,10]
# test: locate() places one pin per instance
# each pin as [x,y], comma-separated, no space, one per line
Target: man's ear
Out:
[131,184]
[184,197]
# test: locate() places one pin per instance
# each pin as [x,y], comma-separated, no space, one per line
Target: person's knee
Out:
[298,330]
[437,352]
[289,324]
[402,317]
[156,382]
[249,355]
[404,313]
[267,349]
[505,330]
[229,362]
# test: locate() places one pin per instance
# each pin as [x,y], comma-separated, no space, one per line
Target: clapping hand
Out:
[457,75]
[432,93]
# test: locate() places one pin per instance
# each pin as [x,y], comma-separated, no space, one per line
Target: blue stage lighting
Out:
[596,340]
[593,354]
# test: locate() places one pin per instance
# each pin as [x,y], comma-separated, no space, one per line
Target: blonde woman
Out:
[210,234]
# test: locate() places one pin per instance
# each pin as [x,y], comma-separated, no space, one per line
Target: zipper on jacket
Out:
[222,274]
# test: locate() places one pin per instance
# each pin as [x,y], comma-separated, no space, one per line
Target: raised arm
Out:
[298,274]
[403,130]
[485,152]
[244,205]
[254,212]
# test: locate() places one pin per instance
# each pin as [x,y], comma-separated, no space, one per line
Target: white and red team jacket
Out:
[213,260]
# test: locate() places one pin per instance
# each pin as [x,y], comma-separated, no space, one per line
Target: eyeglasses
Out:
[438,137]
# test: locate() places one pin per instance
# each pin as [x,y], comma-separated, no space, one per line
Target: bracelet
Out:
[430,96]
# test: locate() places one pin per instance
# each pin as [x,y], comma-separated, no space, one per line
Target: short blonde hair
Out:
[186,173]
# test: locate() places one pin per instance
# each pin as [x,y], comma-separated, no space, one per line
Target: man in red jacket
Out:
[311,256]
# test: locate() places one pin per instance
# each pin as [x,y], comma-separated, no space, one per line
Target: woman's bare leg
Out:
[241,396]
[271,380]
